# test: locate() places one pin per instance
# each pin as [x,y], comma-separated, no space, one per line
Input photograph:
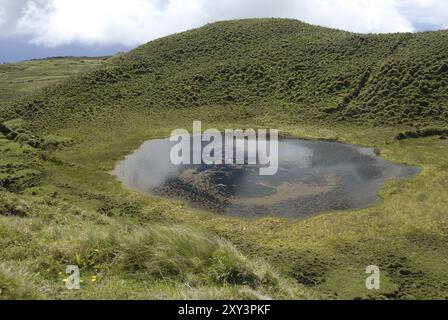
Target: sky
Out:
[40,28]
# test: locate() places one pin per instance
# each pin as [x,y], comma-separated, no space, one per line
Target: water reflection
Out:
[313,177]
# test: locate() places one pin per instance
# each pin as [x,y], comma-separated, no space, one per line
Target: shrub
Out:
[428,132]
[17,284]
[166,253]
[11,205]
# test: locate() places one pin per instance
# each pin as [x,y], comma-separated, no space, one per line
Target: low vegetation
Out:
[22,79]
[59,205]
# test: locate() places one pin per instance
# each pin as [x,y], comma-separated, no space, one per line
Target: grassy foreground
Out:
[68,209]
[60,205]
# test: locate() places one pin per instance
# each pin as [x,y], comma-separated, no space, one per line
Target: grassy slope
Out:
[23,78]
[125,250]
[282,67]
[304,80]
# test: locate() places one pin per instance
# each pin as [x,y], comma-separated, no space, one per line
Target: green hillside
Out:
[20,79]
[59,204]
[317,73]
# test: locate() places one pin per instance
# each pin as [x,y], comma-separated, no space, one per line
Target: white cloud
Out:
[132,22]
[2,16]
[425,12]
[355,15]
[11,12]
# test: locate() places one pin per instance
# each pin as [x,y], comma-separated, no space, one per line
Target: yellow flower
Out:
[93,279]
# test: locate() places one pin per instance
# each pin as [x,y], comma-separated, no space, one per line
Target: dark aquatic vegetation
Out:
[313,177]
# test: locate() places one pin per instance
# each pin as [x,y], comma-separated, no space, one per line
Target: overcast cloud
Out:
[53,23]
[2,17]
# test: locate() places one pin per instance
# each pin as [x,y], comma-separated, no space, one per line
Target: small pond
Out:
[313,177]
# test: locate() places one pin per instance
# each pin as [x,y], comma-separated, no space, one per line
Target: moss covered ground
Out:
[60,205]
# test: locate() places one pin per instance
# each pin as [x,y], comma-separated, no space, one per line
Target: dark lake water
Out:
[313,177]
